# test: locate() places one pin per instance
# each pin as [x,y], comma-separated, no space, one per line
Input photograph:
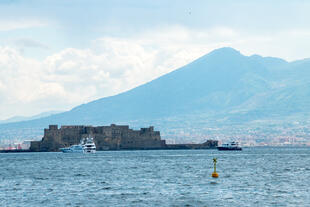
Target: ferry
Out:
[230,146]
[86,146]
[73,149]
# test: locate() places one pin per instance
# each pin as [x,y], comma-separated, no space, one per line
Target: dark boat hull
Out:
[229,148]
[14,151]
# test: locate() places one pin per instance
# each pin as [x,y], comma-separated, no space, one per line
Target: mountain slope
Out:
[191,88]
[221,88]
[26,118]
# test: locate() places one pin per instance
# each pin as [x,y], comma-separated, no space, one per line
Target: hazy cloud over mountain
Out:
[54,56]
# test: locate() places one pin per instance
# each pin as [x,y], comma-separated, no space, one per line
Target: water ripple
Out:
[252,177]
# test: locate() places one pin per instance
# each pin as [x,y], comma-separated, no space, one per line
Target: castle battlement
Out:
[113,137]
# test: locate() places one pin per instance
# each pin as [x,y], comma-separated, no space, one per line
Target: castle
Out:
[113,137]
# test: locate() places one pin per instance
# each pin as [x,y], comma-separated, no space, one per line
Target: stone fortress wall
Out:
[113,137]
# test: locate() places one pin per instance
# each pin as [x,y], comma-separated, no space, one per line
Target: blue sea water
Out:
[253,177]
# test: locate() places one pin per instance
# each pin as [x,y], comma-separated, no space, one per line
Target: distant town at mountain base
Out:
[223,95]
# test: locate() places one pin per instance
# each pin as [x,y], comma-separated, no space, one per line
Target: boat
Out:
[230,146]
[86,146]
[89,145]
[73,149]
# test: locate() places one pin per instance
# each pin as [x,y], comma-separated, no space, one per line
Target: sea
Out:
[256,176]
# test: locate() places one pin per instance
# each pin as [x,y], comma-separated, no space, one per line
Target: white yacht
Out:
[86,145]
[73,149]
[89,145]
[230,146]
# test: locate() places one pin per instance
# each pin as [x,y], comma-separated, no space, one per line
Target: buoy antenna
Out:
[214,174]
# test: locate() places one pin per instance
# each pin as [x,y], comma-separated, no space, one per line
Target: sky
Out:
[57,54]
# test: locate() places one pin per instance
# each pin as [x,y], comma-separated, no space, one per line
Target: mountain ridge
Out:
[27,118]
[221,85]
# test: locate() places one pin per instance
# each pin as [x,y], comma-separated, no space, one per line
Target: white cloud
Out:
[7,25]
[112,65]
[73,76]
[30,43]
[290,45]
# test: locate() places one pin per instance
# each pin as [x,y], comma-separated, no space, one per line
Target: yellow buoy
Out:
[214,174]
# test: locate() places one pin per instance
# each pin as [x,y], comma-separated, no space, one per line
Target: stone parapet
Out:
[113,137]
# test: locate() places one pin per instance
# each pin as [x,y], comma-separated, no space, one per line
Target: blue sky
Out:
[75,23]
[47,48]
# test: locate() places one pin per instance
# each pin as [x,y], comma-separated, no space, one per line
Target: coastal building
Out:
[25,145]
[113,137]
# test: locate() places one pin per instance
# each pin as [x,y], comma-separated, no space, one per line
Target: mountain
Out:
[27,118]
[223,93]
